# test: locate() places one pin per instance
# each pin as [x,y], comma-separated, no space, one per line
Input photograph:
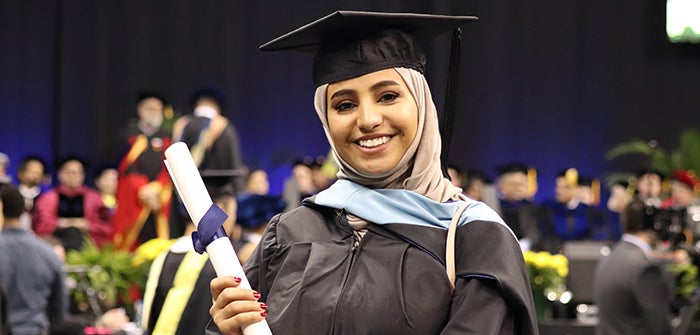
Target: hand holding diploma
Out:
[235,304]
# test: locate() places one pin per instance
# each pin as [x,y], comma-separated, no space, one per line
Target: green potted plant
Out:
[685,157]
[103,276]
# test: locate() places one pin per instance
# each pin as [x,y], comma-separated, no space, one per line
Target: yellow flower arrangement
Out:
[547,275]
[546,271]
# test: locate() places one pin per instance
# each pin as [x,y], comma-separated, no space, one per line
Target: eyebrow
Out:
[383,83]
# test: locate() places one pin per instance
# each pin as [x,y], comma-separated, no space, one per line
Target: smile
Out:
[371,143]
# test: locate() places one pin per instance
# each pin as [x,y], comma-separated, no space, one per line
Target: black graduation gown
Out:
[224,153]
[195,316]
[317,278]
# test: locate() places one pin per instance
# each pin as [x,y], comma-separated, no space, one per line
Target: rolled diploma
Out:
[189,184]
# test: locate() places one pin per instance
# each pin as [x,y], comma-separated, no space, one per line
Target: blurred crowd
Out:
[71,206]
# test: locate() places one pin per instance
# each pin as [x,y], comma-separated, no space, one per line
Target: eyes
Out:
[350,102]
[344,106]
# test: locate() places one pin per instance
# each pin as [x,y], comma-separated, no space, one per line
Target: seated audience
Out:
[649,186]
[72,210]
[4,163]
[515,206]
[106,183]
[565,217]
[254,213]
[299,185]
[31,176]
[458,176]
[621,195]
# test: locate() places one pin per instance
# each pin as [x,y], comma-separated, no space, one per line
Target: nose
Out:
[368,118]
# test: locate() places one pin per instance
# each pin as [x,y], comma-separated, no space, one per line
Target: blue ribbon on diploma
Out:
[209,229]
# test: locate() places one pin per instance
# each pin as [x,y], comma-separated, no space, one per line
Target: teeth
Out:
[374,142]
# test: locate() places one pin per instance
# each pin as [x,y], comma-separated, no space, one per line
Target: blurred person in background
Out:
[31,274]
[106,183]
[630,286]
[649,186]
[564,217]
[177,297]
[144,189]
[299,185]
[72,210]
[32,175]
[254,213]
[515,206]
[4,163]
[214,143]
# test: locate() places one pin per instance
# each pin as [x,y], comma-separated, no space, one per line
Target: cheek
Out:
[336,129]
[412,120]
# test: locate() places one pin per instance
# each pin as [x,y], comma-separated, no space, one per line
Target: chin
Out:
[375,170]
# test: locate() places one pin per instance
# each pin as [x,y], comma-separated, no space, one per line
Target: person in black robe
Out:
[566,218]
[177,296]
[392,247]
[214,144]
[515,204]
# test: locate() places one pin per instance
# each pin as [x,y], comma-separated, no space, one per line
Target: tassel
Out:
[450,95]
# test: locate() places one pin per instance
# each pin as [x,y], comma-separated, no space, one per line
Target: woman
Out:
[368,255]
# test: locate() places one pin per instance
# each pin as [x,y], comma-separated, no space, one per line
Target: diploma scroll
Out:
[189,184]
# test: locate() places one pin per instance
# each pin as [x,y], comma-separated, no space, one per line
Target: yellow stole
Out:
[178,295]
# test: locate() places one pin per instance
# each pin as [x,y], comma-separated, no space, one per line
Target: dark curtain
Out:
[551,83]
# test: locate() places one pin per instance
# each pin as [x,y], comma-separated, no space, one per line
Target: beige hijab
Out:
[419,169]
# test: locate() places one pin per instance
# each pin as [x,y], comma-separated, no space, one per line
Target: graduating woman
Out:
[378,252]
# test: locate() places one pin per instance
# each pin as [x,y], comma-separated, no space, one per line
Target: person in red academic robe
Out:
[145,189]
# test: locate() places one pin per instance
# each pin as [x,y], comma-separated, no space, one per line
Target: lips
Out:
[373,142]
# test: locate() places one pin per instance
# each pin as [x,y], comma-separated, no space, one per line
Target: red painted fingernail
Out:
[263,306]
[256,294]
[237,279]
[263,314]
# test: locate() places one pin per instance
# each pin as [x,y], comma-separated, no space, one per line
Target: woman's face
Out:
[372,119]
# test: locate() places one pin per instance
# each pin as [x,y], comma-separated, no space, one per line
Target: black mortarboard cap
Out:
[585,181]
[349,44]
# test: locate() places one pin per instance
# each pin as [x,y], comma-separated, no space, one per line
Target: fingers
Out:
[234,307]
[221,283]
[234,324]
